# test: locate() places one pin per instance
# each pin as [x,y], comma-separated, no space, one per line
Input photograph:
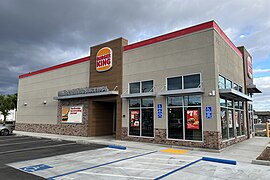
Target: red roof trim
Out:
[77,61]
[182,32]
[170,35]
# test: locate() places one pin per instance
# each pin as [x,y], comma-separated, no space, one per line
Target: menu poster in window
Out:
[223,119]
[193,119]
[236,119]
[230,119]
[241,119]
[135,118]
[72,114]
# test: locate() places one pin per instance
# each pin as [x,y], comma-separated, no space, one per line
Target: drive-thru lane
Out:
[21,148]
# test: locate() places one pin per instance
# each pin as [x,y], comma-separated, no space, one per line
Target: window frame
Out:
[233,84]
[184,118]
[233,109]
[182,82]
[140,82]
[140,109]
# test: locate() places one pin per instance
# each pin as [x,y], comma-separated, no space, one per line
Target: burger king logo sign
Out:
[104,59]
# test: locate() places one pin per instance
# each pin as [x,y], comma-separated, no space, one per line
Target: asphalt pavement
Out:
[22,148]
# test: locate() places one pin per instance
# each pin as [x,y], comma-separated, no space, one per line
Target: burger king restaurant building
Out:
[191,87]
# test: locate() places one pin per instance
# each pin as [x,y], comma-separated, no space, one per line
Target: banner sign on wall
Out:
[85,90]
[135,118]
[72,114]
[193,121]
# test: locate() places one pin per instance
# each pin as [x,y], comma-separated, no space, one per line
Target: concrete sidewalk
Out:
[245,151]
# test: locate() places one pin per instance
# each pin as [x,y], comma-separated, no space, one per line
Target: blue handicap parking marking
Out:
[208,112]
[35,168]
[159,106]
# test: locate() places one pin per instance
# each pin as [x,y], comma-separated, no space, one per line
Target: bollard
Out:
[267,129]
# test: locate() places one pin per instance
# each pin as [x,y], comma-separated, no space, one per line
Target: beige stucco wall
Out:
[193,53]
[36,89]
[229,64]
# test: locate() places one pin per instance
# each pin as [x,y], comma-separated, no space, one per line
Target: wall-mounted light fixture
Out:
[212,93]
[44,102]
[25,104]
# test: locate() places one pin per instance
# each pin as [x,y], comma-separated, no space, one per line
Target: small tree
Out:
[7,103]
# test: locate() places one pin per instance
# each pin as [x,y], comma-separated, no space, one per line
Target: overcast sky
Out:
[35,34]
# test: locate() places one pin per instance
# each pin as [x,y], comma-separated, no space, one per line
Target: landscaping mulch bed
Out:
[265,155]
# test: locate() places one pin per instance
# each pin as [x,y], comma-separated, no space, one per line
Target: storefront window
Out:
[134,103]
[232,118]
[221,82]
[224,123]
[237,125]
[231,124]
[193,130]
[184,117]
[240,89]
[192,81]
[174,101]
[147,86]
[222,102]
[141,87]
[174,83]
[147,103]
[229,103]
[242,123]
[239,118]
[192,100]
[148,122]
[235,86]
[228,84]
[141,117]
[134,87]
[175,123]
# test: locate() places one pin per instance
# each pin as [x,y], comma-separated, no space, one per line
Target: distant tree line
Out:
[7,103]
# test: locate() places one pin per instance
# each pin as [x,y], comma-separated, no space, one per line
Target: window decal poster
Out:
[230,118]
[223,118]
[193,119]
[135,118]
[72,114]
[236,119]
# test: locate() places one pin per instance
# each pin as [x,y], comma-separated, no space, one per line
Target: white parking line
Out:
[157,163]
[43,140]
[41,147]
[143,169]
[115,175]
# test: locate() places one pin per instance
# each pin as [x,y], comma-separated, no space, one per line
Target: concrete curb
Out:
[261,162]
[128,144]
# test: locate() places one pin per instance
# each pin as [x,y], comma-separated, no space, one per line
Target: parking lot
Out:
[24,157]
[21,148]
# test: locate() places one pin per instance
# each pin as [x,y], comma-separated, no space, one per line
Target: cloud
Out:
[261,101]
[261,70]
[37,34]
